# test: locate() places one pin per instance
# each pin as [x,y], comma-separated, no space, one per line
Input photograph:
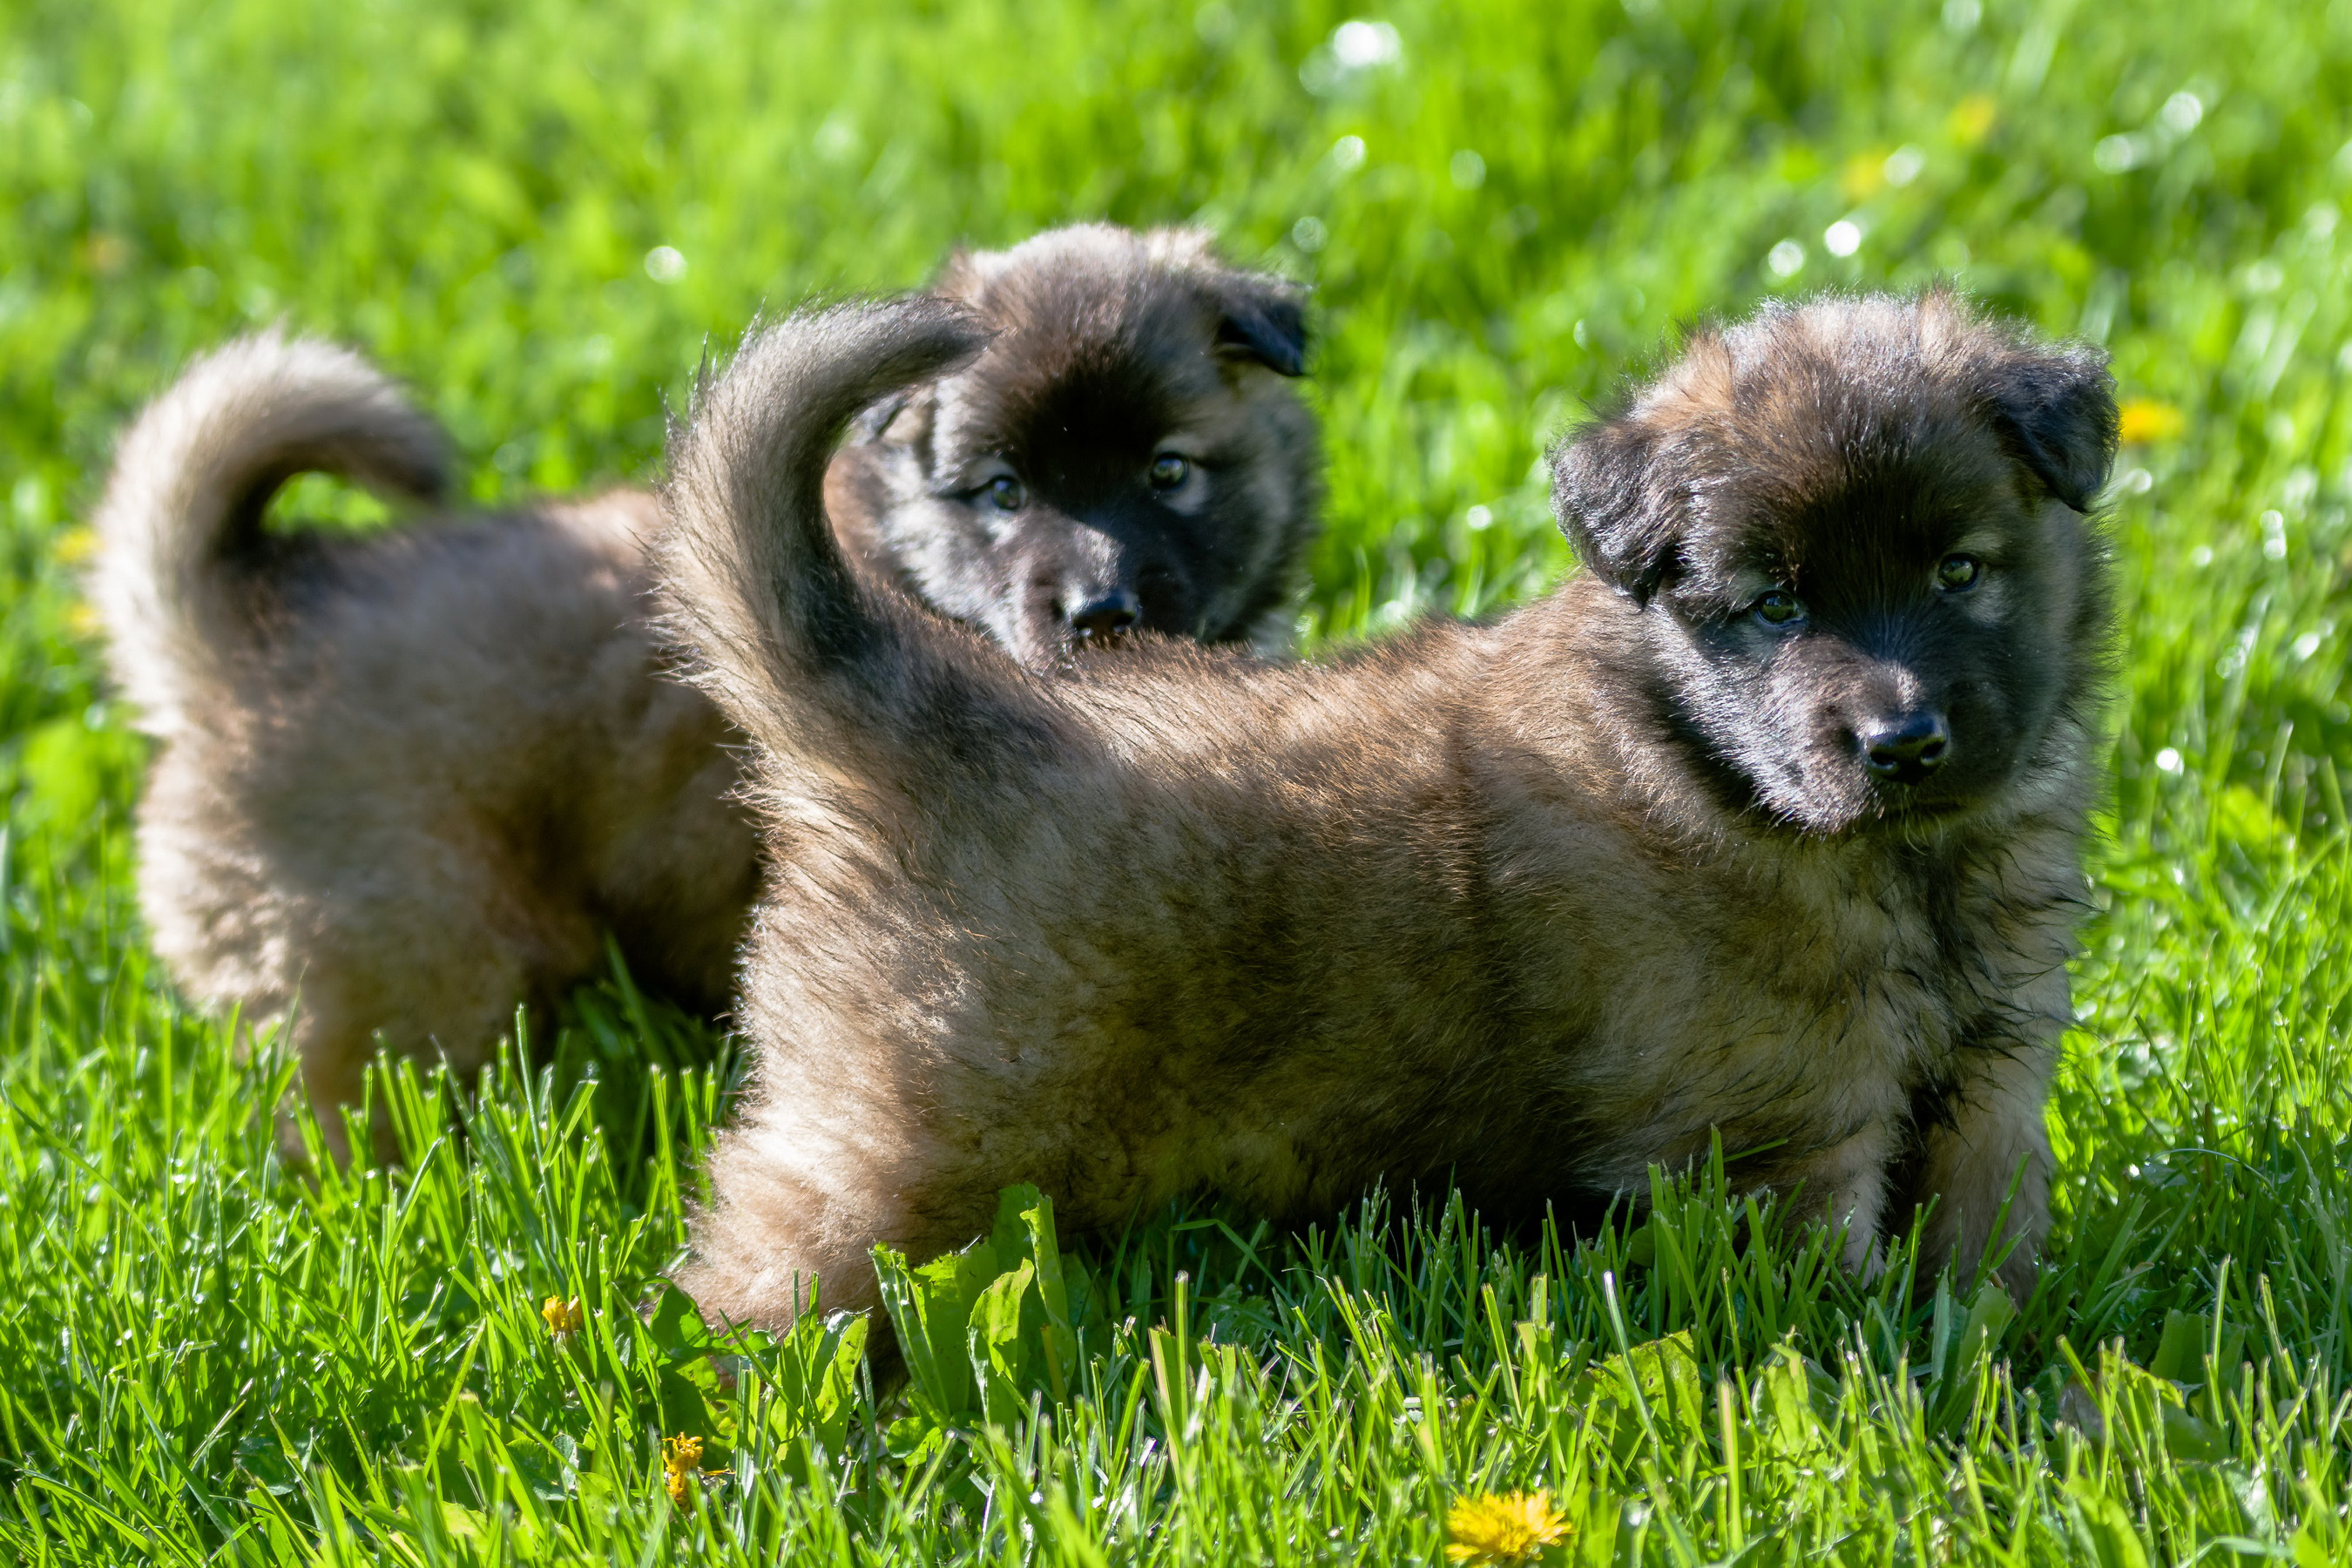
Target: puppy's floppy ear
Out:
[1607,491]
[1263,319]
[2056,409]
[868,427]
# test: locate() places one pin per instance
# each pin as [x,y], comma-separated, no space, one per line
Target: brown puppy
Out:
[1765,825]
[408,780]
[1103,466]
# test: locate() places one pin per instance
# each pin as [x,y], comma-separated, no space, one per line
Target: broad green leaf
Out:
[676,1323]
[932,1308]
[2103,1527]
[1002,1357]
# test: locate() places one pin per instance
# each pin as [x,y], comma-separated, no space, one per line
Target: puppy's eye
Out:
[1169,470]
[1957,574]
[1007,493]
[1780,609]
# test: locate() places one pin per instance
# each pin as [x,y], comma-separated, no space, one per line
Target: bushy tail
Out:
[179,529]
[753,582]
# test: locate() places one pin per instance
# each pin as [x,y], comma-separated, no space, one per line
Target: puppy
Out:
[410,781]
[1115,460]
[1766,827]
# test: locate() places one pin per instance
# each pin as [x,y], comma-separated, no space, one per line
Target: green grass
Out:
[202,1356]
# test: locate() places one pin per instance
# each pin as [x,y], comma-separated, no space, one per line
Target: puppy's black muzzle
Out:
[1906,748]
[1100,573]
[1096,620]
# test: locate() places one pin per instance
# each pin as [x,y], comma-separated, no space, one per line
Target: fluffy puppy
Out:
[1766,826]
[1116,459]
[408,780]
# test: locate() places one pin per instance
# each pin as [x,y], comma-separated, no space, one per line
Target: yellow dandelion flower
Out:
[76,545]
[105,253]
[1864,176]
[564,1318]
[82,621]
[2145,420]
[1511,1527]
[1972,118]
[681,1460]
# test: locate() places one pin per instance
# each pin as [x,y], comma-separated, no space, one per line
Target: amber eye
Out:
[1007,493]
[1957,574]
[1779,608]
[1169,470]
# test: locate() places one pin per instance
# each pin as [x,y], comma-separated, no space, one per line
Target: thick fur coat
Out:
[411,780]
[1765,826]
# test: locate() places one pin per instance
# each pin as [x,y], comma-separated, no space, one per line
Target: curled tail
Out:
[753,582]
[180,543]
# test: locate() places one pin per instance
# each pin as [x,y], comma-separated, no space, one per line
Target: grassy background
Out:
[202,1357]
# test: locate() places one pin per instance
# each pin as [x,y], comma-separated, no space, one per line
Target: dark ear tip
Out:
[2057,405]
[875,418]
[2082,496]
[1268,326]
[1622,522]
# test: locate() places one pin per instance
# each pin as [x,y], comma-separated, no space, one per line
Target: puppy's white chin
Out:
[1870,813]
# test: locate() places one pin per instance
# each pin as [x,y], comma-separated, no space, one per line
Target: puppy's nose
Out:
[1907,747]
[1101,618]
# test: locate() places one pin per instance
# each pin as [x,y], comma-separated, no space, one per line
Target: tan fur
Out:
[1470,903]
[410,781]
[430,787]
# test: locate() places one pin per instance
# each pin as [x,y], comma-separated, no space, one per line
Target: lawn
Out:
[1502,206]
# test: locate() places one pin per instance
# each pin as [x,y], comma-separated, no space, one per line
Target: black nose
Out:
[1907,747]
[1101,619]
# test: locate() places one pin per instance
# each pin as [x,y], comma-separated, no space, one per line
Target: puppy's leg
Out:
[1994,1140]
[453,1013]
[795,1219]
[333,1049]
[1852,1176]
[435,973]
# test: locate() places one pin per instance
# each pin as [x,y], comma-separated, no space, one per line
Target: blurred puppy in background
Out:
[1766,827]
[408,780]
